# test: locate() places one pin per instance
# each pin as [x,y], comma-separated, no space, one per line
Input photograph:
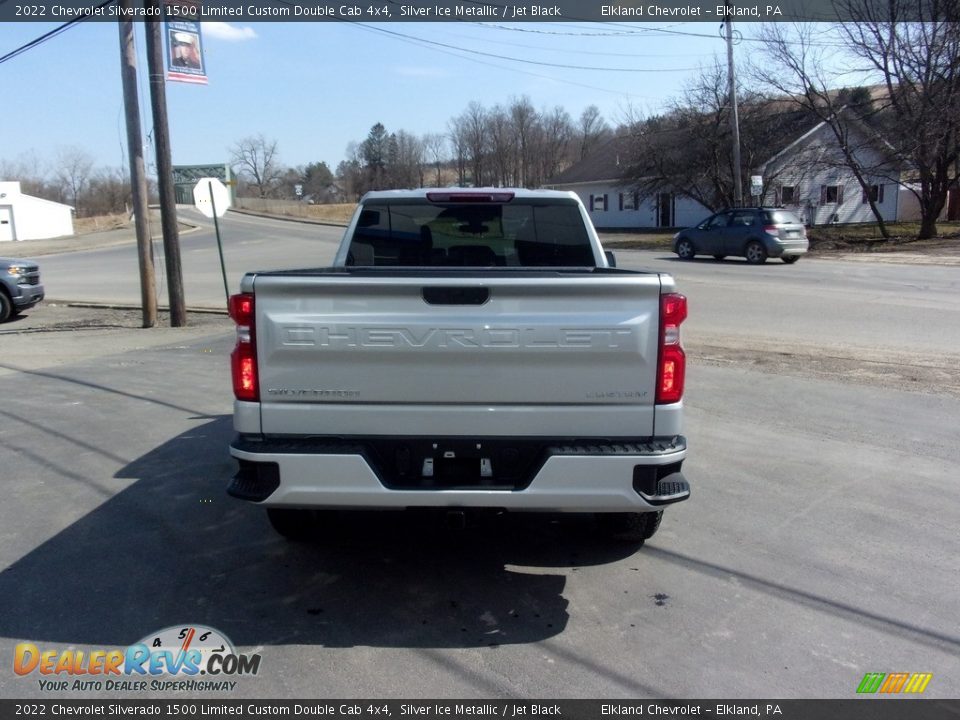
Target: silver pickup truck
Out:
[469,348]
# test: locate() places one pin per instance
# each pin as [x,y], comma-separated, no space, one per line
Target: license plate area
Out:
[455,464]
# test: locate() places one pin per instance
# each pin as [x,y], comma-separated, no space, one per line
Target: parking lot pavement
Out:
[53,334]
[819,544]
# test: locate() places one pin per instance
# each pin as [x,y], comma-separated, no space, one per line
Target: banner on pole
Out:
[185,52]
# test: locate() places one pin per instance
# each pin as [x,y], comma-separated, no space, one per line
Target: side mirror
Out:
[611,258]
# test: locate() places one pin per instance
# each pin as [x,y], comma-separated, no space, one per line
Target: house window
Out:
[788,194]
[831,194]
[628,201]
[598,203]
[875,194]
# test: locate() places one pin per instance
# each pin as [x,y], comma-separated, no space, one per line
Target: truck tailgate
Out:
[478,354]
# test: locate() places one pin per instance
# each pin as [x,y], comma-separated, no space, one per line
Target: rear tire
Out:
[293,523]
[755,253]
[685,250]
[629,527]
[790,259]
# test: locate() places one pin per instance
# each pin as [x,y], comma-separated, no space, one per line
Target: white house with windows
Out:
[812,180]
[807,177]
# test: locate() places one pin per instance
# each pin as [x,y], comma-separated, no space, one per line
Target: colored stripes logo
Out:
[891,683]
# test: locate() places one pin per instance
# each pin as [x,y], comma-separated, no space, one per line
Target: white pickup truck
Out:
[469,348]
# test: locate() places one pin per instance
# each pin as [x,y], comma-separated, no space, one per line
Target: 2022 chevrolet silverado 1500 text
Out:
[469,348]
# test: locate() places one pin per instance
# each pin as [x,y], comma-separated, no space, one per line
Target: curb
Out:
[129,306]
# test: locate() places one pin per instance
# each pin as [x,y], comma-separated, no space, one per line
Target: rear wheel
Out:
[790,259]
[755,253]
[293,523]
[629,527]
[685,249]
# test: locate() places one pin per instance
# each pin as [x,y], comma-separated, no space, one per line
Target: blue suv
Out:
[753,233]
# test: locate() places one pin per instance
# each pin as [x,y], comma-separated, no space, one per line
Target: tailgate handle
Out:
[456,295]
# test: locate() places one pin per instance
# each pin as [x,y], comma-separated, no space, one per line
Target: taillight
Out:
[243,360]
[771,230]
[672,363]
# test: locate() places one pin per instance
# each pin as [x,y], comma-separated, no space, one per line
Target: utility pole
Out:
[734,114]
[161,134]
[138,177]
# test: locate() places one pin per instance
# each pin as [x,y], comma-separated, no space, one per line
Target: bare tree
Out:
[688,150]
[258,162]
[435,149]
[475,124]
[556,133]
[108,192]
[29,170]
[350,173]
[591,129]
[914,46]
[503,146]
[458,140]
[524,118]
[74,167]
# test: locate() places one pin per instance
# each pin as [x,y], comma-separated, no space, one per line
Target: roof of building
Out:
[605,164]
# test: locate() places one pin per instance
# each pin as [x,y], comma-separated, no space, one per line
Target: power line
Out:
[635,30]
[48,36]
[531,62]
[417,41]
[578,51]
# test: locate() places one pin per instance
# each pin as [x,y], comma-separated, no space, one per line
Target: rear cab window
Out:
[415,232]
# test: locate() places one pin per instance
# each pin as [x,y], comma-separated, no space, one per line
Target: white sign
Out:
[756,184]
[201,197]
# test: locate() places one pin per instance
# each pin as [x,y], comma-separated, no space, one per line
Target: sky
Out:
[315,87]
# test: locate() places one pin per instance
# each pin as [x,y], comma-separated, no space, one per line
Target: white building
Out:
[24,217]
[813,181]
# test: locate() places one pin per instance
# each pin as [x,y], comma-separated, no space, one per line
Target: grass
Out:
[339,213]
[865,237]
[82,226]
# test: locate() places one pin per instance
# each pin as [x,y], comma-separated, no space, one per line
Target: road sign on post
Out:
[210,193]
[212,199]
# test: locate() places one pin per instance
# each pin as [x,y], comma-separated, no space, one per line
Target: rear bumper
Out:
[580,477]
[788,247]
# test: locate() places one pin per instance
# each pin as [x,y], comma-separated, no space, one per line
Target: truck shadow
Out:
[173,549]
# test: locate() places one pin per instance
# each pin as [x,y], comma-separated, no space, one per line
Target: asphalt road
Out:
[250,243]
[819,543]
